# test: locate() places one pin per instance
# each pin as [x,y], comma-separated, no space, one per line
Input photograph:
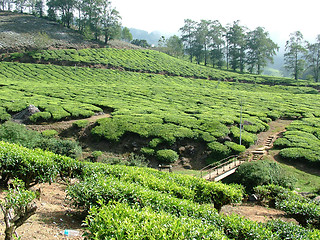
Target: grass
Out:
[308,180]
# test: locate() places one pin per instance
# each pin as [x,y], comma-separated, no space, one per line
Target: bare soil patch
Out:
[256,213]
[53,216]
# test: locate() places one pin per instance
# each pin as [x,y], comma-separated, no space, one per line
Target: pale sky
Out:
[278,17]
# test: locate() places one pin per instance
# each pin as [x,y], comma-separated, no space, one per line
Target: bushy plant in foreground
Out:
[264,172]
[18,133]
[305,211]
[121,221]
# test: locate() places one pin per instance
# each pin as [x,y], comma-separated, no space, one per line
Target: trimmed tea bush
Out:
[167,156]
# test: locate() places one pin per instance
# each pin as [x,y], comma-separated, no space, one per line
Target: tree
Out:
[236,46]
[174,46]
[126,35]
[17,208]
[313,58]
[188,36]
[217,32]
[20,4]
[92,10]
[111,26]
[140,42]
[293,56]
[39,8]
[65,7]
[260,49]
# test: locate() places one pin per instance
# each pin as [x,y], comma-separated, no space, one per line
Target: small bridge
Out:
[227,166]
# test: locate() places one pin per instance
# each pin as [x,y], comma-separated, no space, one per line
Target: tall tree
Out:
[92,10]
[293,56]
[260,49]
[39,8]
[174,46]
[65,7]
[188,36]
[20,5]
[313,58]
[111,26]
[236,46]
[217,32]
[126,34]
[202,40]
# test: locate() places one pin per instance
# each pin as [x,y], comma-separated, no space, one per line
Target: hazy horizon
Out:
[279,18]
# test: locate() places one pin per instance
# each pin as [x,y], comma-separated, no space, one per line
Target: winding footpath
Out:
[253,153]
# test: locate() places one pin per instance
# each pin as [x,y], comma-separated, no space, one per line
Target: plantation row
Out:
[301,141]
[152,106]
[147,61]
[124,197]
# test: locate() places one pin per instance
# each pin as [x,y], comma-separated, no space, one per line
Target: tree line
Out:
[240,49]
[302,57]
[233,45]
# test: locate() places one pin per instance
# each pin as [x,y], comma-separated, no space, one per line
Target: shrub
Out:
[305,211]
[80,123]
[120,221]
[40,117]
[18,133]
[167,156]
[96,155]
[49,133]
[63,147]
[263,172]
[235,148]
[155,142]
[147,151]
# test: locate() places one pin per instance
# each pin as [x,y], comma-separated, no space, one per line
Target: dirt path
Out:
[63,125]
[275,127]
[53,216]
[256,213]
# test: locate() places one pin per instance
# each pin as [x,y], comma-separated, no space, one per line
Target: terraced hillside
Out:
[162,110]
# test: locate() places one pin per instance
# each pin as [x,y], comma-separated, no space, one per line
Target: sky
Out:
[278,17]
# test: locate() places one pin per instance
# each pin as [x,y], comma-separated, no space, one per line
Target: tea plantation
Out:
[163,101]
[152,105]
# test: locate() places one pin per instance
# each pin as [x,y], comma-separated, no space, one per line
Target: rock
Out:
[253,198]
[24,115]
[187,166]
[317,199]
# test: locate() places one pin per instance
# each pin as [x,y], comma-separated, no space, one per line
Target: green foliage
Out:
[167,156]
[49,133]
[120,221]
[291,231]
[235,148]
[40,117]
[96,154]
[301,141]
[305,211]
[80,123]
[31,166]
[263,172]
[17,207]
[147,151]
[155,142]
[34,165]
[63,147]
[18,133]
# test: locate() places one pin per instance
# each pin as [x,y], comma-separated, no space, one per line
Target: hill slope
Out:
[19,32]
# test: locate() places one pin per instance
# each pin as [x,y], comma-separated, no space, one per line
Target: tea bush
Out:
[167,156]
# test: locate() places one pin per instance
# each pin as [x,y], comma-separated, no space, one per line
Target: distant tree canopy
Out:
[141,43]
[172,46]
[208,41]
